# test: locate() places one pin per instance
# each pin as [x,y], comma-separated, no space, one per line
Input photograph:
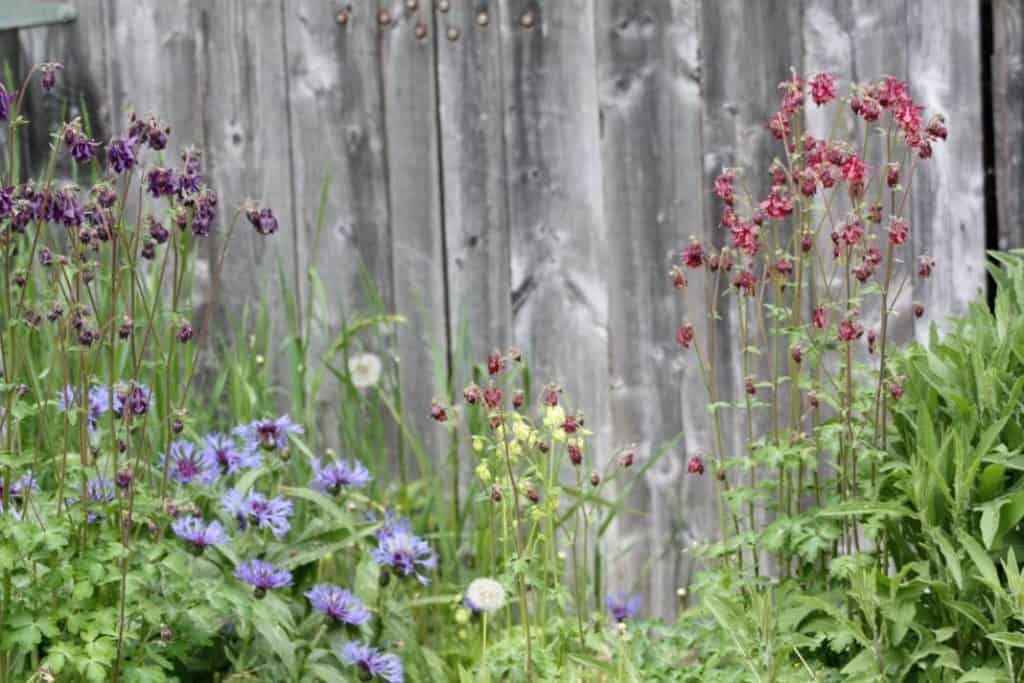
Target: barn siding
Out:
[522,171]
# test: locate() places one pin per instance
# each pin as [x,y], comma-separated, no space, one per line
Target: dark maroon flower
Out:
[872,338]
[627,459]
[518,398]
[892,174]
[575,454]
[471,394]
[438,414]
[679,278]
[551,397]
[849,330]
[780,126]
[148,250]
[745,282]
[49,79]
[161,182]
[812,399]
[495,363]
[823,88]
[778,205]
[808,182]
[123,480]
[570,425]
[873,255]
[899,231]
[797,354]
[937,127]
[492,397]
[749,387]
[925,265]
[263,220]
[918,309]
[724,186]
[157,231]
[852,232]
[695,466]
[121,154]
[205,213]
[778,174]
[156,135]
[784,267]
[693,255]
[684,336]
[126,328]
[185,333]
[896,390]
[496,494]
[864,271]
[806,243]
[86,336]
[532,494]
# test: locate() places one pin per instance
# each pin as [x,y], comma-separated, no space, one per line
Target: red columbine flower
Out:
[864,271]
[724,186]
[908,116]
[872,338]
[570,425]
[745,238]
[808,181]
[693,255]
[784,267]
[835,156]
[678,278]
[779,126]
[925,264]
[892,91]
[725,263]
[551,397]
[812,399]
[918,309]
[828,175]
[823,88]
[748,386]
[806,243]
[438,414]
[899,231]
[575,454]
[626,459]
[892,174]
[937,127]
[495,363]
[870,109]
[793,94]
[778,205]
[852,232]
[471,394]
[518,398]
[492,397]
[854,169]
[896,390]
[873,255]
[797,354]
[745,281]
[778,174]
[695,466]
[685,335]
[924,149]
[729,218]
[850,330]
[818,317]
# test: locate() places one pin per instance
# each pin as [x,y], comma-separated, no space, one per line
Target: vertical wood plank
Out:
[408,65]
[1008,108]
[248,152]
[947,204]
[475,202]
[337,135]
[648,77]
[559,236]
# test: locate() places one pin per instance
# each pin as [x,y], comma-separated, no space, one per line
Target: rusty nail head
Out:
[453,33]
[482,18]
[383,17]
[421,30]
[342,17]
[527,19]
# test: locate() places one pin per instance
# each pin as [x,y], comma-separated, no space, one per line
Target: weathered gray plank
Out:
[947,203]
[648,76]
[747,49]
[408,64]
[337,134]
[1008,110]
[473,153]
[248,153]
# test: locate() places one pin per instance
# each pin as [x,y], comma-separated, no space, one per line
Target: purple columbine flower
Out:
[255,508]
[263,220]
[5,103]
[339,474]
[338,603]
[121,154]
[186,465]
[229,457]
[82,148]
[6,195]
[622,606]
[373,662]
[263,576]
[400,549]
[196,532]
[190,180]
[270,435]
[137,400]
[160,182]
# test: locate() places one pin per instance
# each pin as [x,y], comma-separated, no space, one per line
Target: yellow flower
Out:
[522,430]
[554,418]
[499,432]
[478,443]
[514,449]
[483,472]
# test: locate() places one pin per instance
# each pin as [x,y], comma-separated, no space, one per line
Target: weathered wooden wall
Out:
[527,168]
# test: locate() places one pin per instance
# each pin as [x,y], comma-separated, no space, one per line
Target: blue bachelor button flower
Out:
[263,576]
[622,606]
[186,465]
[270,435]
[255,508]
[228,456]
[402,551]
[196,532]
[338,603]
[340,473]
[373,662]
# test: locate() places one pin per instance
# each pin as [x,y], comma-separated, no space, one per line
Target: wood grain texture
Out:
[947,203]
[648,78]
[408,67]
[559,236]
[248,153]
[1008,110]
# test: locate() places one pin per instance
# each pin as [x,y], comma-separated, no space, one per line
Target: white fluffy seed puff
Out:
[364,369]
[485,595]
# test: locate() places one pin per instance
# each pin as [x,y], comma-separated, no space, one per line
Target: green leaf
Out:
[983,676]
[981,559]
[1007,638]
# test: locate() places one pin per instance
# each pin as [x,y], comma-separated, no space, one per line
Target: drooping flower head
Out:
[270,435]
[228,456]
[263,220]
[186,465]
[402,551]
[485,595]
[622,606]
[373,662]
[200,535]
[121,154]
[263,576]
[823,88]
[339,474]
[338,603]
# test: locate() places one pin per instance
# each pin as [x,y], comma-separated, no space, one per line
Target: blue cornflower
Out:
[19,486]
[99,402]
[186,465]
[99,491]
[263,576]
[269,435]
[255,508]
[373,662]
[334,476]
[400,549]
[196,532]
[622,606]
[338,603]
[227,455]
